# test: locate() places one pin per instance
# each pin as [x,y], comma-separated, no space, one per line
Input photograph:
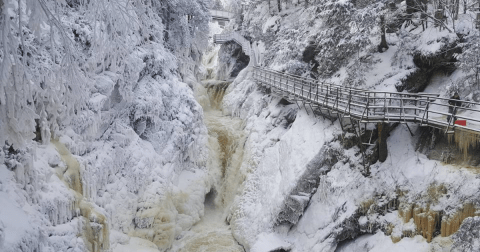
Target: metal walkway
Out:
[243,42]
[234,36]
[363,106]
[221,15]
[367,106]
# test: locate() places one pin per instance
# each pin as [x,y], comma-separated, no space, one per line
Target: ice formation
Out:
[140,165]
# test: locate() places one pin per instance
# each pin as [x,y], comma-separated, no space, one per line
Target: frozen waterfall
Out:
[225,148]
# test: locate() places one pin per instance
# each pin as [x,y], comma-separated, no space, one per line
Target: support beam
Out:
[382,141]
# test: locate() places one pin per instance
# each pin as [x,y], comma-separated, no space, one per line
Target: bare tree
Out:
[383,43]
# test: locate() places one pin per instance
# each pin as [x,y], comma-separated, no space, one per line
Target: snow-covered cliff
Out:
[101,138]
[305,187]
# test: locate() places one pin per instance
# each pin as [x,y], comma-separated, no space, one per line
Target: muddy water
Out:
[225,145]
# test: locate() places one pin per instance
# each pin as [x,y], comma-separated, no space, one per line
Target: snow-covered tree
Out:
[469,59]
[49,57]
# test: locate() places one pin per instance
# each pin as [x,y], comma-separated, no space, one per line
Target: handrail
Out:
[217,14]
[244,43]
[235,36]
[370,106]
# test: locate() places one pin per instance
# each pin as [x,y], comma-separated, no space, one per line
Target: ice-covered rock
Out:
[467,237]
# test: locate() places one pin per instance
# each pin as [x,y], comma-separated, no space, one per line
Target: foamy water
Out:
[225,146]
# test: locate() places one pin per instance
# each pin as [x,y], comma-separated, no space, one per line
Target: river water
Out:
[225,144]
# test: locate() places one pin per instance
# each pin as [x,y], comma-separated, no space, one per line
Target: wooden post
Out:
[382,141]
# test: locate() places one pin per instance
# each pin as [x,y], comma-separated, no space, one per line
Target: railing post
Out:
[337,99]
[326,96]
[416,99]
[368,104]
[302,87]
[401,107]
[310,92]
[273,84]
[385,112]
[294,84]
[350,104]
[428,103]
[286,84]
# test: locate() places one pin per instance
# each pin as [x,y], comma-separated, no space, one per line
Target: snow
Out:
[126,244]
[269,242]
[14,220]
[271,23]
[380,242]
[130,153]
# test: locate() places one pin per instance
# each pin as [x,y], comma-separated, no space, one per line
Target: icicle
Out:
[465,140]
[451,223]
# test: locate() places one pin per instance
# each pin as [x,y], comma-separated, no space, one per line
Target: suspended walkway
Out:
[221,15]
[360,105]
[234,36]
[365,106]
[243,42]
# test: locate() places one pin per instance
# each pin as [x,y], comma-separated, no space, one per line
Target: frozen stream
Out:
[225,145]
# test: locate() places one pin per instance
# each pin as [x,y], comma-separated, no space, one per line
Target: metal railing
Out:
[221,15]
[367,106]
[234,36]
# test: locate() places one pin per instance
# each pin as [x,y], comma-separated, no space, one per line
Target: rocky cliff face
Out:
[232,60]
[442,61]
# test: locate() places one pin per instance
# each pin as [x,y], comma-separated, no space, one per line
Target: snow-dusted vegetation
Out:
[96,124]
[305,186]
[123,127]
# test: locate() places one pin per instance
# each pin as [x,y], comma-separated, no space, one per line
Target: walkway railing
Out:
[370,106]
[221,15]
[234,36]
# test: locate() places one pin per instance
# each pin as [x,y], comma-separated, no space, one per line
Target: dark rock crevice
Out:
[232,60]
[443,61]
[295,204]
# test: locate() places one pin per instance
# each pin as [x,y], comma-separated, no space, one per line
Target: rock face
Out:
[307,185]
[232,60]
[308,55]
[382,141]
[468,236]
[437,146]
[427,65]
